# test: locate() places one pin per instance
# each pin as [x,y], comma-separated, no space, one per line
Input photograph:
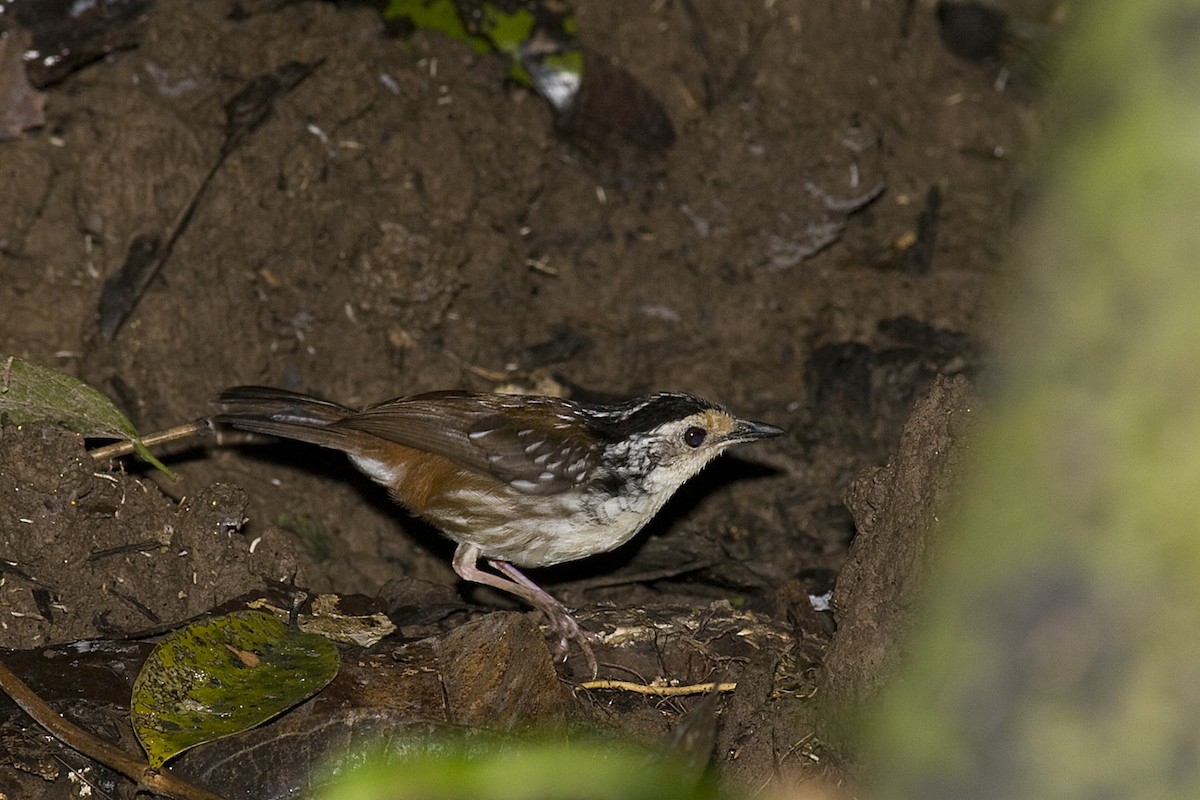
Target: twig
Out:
[198,427]
[659,691]
[161,782]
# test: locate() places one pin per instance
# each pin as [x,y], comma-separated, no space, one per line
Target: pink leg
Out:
[513,581]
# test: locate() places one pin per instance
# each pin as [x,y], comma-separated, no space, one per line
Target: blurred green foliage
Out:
[529,769]
[539,38]
[1058,654]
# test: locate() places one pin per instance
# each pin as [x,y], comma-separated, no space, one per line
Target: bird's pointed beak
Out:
[746,431]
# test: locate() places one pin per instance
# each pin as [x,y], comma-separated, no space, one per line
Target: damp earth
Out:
[815,242]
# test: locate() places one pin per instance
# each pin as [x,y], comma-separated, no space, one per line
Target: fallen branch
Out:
[161,782]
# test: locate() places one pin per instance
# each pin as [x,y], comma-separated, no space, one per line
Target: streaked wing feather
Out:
[486,433]
[535,461]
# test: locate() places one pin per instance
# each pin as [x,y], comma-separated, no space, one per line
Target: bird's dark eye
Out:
[694,436]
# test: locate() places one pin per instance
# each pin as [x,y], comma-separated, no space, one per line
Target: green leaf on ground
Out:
[221,676]
[32,393]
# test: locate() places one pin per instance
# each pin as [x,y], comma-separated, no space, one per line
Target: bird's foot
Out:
[568,630]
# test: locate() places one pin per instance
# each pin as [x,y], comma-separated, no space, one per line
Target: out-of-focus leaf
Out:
[221,676]
[540,40]
[603,109]
[508,32]
[436,15]
[523,771]
[29,393]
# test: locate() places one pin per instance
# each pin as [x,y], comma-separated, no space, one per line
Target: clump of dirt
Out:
[93,554]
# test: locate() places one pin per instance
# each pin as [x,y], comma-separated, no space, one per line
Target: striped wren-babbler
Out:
[515,480]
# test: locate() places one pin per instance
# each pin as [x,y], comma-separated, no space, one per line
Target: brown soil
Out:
[407,220]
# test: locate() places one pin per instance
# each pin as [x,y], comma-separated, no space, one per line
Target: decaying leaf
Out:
[224,675]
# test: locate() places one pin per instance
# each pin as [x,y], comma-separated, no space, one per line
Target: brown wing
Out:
[533,444]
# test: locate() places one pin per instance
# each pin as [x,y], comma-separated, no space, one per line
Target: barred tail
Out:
[290,415]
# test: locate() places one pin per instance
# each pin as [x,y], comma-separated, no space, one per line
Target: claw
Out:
[562,623]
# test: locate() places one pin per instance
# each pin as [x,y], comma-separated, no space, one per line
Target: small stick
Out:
[659,691]
[200,427]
